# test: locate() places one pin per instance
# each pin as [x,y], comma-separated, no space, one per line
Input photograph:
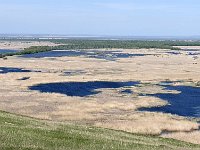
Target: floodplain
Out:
[144,91]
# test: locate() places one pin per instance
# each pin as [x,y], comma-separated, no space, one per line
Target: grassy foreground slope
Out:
[20,133]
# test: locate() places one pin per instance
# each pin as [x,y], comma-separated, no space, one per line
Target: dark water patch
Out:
[107,55]
[73,72]
[24,78]
[174,53]
[55,54]
[4,70]
[113,55]
[80,89]
[186,103]
[193,53]
[127,91]
[5,51]
[190,50]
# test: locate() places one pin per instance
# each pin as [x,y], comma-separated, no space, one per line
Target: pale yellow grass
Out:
[23,44]
[110,108]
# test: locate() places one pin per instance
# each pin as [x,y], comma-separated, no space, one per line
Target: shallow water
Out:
[107,55]
[174,53]
[80,89]
[73,72]
[127,91]
[4,70]
[186,103]
[194,53]
[4,51]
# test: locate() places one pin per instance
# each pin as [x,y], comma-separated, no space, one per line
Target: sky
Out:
[101,17]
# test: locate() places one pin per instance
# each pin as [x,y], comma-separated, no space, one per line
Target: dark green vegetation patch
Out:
[98,44]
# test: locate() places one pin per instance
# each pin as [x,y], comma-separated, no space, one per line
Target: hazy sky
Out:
[101,17]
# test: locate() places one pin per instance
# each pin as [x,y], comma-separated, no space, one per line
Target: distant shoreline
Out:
[95,37]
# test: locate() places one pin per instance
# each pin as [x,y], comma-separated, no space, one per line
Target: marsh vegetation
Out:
[44,85]
[103,44]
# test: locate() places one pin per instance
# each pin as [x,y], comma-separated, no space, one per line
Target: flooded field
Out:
[148,91]
[107,55]
[184,103]
[80,89]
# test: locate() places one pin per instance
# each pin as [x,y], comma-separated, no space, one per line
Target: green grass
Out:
[21,133]
[30,50]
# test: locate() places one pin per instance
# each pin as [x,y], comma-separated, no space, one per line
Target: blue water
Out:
[4,70]
[107,55]
[80,89]
[194,53]
[186,103]
[174,53]
[127,91]
[4,51]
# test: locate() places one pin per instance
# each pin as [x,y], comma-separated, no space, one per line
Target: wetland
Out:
[121,89]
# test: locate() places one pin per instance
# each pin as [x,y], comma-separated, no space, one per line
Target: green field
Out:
[20,133]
